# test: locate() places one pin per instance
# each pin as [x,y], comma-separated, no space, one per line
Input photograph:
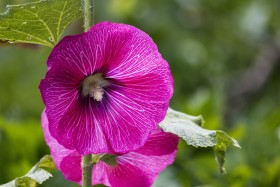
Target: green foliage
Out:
[21,145]
[40,22]
[20,76]
[184,126]
[223,141]
[38,174]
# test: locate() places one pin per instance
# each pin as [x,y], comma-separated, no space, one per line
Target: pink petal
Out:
[158,152]
[140,167]
[127,175]
[136,168]
[136,100]
[71,167]
[159,143]
[99,174]
[58,152]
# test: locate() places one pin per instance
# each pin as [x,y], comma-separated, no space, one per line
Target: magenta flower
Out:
[106,89]
[136,168]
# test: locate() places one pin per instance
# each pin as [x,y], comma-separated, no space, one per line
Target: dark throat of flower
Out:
[93,86]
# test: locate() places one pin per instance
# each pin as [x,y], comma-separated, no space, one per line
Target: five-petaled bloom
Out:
[106,89]
[137,168]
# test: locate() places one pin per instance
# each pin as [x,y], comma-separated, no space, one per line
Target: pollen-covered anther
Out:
[94,86]
[96,91]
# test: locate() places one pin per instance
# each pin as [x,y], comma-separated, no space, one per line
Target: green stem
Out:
[87,170]
[88,13]
[87,160]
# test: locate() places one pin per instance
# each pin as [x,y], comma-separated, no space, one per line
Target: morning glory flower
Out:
[137,168]
[106,89]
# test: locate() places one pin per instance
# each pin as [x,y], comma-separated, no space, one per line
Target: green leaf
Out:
[188,127]
[40,22]
[38,174]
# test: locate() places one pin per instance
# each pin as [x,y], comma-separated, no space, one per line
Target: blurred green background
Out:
[225,59]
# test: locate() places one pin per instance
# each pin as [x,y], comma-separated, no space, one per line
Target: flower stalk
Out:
[87,165]
[88,13]
[87,160]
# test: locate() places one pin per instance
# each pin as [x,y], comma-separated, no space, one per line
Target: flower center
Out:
[94,86]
